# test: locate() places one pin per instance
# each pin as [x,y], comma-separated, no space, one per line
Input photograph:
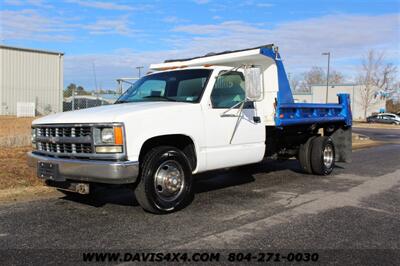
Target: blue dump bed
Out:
[289,113]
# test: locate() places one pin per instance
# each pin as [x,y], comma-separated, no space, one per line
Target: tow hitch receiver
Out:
[81,188]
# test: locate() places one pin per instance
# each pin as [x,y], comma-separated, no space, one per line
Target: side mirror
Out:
[252,80]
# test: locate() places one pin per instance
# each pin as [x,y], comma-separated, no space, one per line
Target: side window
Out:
[229,90]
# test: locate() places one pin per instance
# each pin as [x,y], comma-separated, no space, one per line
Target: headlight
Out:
[108,139]
[107,135]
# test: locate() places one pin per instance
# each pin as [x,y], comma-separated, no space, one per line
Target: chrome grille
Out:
[64,140]
[63,131]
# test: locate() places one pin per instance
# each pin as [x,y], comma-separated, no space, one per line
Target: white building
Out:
[318,95]
[30,76]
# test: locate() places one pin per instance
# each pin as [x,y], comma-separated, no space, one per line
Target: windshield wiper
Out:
[162,97]
[117,102]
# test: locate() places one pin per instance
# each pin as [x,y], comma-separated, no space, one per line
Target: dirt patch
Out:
[15,132]
[360,141]
[365,143]
[14,171]
[18,181]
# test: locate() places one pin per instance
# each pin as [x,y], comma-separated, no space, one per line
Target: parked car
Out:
[384,118]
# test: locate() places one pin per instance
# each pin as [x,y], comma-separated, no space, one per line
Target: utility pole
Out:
[327,75]
[73,99]
[95,85]
[139,68]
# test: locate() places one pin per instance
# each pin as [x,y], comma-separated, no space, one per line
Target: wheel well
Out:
[182,142]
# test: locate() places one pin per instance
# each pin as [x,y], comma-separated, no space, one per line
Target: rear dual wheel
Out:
[317,155]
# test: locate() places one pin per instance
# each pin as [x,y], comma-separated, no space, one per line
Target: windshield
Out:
[179,86]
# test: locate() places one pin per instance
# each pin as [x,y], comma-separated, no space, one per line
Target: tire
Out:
[322,156]
[305,156]
[155,192]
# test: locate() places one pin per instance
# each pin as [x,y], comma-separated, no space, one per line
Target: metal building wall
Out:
[318,95]
[30,76]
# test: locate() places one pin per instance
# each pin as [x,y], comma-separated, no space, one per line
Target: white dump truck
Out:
[186,117]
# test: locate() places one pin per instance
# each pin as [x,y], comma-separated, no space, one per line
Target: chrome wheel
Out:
[169,180]
[328,156]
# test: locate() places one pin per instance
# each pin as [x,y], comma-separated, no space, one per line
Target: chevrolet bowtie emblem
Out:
[53,139]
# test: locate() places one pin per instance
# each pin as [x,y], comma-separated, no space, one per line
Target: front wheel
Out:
[165,180]
[322,155]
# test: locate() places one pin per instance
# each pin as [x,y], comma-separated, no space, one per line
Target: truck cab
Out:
[186,117]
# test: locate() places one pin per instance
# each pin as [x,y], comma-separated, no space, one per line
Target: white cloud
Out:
[201,2]
[346,36]
[120,26]
[108,5]
[39,3]
[266,5]
[13,2]
[174,19]
[28,24]
[36,3]
[225,28]
[301,42]
[255,3]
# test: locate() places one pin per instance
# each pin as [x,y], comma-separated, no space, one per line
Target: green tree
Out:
[69,90]
[79,90]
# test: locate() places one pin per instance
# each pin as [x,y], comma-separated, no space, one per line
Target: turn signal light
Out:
[118,136]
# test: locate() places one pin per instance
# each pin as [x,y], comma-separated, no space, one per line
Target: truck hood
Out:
[105,114]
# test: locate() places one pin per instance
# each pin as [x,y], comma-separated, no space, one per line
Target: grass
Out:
[15,138]
[14,171]
[15,132]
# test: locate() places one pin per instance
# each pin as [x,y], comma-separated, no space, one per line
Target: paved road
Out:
[390,135]
[269,206]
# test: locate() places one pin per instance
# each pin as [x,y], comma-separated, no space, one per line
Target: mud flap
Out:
[342,140]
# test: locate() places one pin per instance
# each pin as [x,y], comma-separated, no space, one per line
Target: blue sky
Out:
[117,36]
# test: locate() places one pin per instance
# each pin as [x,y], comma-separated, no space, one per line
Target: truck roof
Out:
[227,58]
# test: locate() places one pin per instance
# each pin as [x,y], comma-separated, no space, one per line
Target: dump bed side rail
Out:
[288,114]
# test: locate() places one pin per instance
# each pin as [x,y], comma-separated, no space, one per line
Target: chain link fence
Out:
[77,102]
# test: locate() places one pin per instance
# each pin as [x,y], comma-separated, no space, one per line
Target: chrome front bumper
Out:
[90,170]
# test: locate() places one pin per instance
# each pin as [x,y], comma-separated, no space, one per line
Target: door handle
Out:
[256,119]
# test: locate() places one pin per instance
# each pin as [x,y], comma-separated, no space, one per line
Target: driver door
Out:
[233,137]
